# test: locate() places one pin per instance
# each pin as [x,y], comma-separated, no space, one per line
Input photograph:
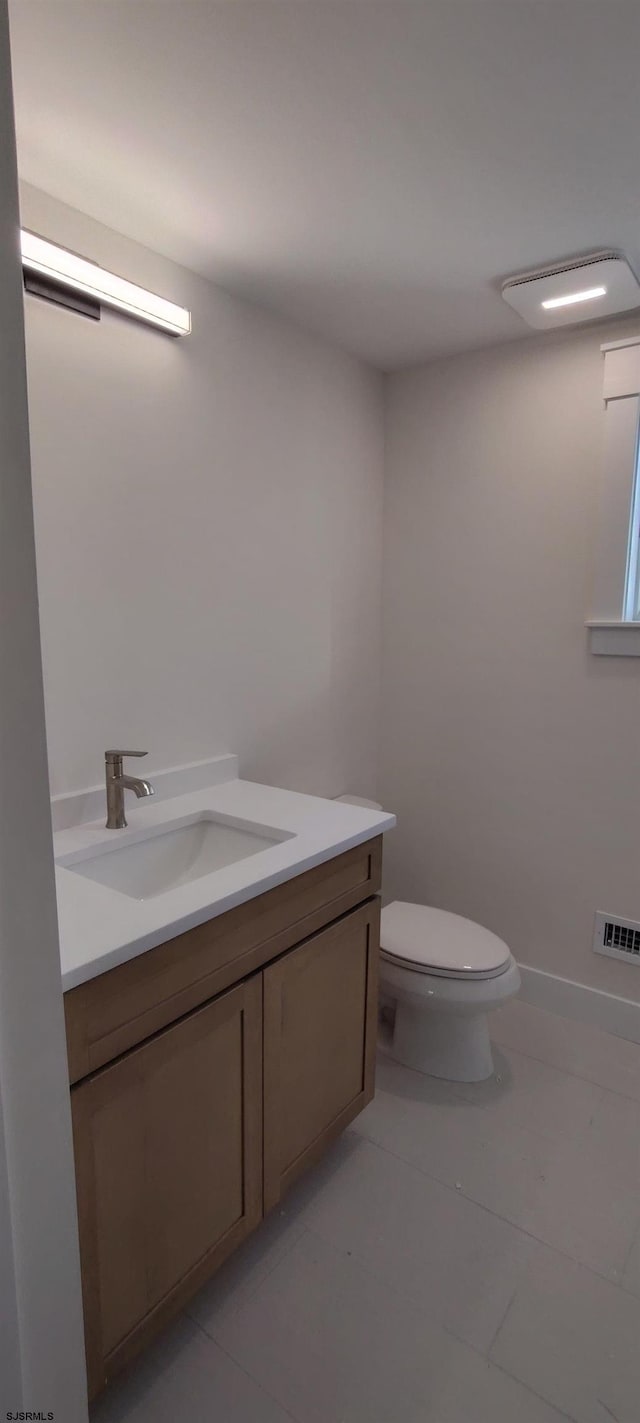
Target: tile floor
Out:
[464,1255]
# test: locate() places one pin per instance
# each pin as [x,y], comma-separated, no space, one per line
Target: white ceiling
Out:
[372,168]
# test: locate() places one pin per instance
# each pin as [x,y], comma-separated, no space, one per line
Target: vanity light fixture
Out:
[600,284]
[54,272]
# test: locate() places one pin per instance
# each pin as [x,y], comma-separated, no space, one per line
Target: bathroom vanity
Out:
[209,1070]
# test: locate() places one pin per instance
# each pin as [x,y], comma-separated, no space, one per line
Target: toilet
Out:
[443,974]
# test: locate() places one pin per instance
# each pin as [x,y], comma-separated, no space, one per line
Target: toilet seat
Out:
[422,968]
[421,939]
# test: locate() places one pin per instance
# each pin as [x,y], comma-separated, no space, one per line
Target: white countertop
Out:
[100,927]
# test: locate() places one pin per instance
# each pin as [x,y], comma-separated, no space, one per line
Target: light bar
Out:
[589,295]
[59,265]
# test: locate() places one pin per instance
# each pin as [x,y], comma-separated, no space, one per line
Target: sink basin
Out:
[173,855]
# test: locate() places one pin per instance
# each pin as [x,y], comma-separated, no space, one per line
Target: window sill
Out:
[614,639]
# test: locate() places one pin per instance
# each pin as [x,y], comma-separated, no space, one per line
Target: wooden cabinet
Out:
[320,1021]
[168,1147]
[206,1075]
[111,1013]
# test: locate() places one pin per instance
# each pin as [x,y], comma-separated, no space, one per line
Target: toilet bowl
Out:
[442,974]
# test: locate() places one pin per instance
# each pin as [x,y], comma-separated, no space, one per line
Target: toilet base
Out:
[455,1046]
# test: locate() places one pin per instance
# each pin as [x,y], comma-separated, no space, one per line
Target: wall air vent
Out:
[582,289]
[618,938]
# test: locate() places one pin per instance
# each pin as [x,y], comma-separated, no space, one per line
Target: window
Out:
[615,622]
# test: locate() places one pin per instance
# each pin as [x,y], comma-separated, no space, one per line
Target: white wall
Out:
[41,1344]
[208,526]
[511,755]
[208,520]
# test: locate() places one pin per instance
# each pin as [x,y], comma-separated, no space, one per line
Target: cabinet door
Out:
[320,1027]
[168,1146]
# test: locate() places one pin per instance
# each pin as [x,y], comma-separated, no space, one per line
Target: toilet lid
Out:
[434,941]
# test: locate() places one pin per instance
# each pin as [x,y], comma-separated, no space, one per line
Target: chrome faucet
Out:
[118,783]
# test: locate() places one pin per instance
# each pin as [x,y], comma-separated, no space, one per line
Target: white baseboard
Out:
[620,1016]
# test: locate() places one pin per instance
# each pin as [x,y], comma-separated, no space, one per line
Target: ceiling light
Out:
[554,296]
[65,268]
[589,295]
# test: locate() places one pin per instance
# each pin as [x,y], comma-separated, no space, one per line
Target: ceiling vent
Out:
[617,938]
[588,288]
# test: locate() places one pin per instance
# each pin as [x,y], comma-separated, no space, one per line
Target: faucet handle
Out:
[110,754]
